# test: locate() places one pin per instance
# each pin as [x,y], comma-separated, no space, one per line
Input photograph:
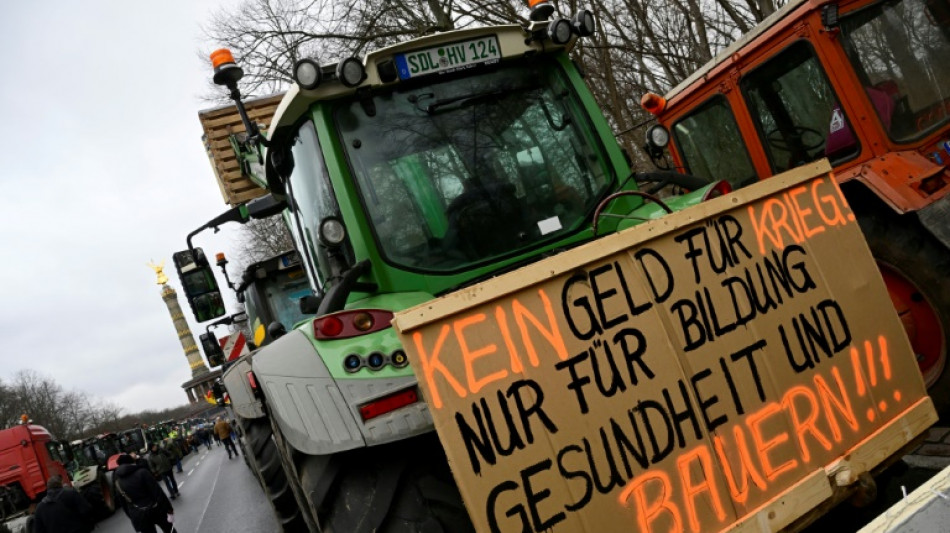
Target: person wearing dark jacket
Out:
[160,462]
[62,510]
[140,496]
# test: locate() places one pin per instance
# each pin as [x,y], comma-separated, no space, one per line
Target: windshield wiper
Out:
[462,100]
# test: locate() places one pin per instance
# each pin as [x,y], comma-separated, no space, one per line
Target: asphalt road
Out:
[217,496]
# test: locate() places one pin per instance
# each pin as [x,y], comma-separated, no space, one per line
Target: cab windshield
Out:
[281,293]
[899,50]
[464,170]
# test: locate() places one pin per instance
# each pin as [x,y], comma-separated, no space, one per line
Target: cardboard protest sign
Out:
[684,375]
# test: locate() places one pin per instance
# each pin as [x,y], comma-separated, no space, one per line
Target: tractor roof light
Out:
[559,31]
[307,74]
[351,72]
[226,71]
[584,23]
[653,103]
[541,10]
[332,232]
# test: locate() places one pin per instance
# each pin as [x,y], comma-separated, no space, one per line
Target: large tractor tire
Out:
[261,446]
[99,496]
[403,487]
[914,266]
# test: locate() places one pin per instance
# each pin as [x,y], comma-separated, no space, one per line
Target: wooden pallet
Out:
[219,124]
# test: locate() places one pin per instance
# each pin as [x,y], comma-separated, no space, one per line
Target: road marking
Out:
[208,501]
[191,471]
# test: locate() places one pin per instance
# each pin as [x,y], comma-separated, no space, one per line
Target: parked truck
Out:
[28,457]
[411,175]
[864,84]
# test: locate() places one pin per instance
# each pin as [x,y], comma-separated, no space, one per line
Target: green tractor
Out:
[417,170]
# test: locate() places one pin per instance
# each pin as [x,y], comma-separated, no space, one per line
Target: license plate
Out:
[448,57]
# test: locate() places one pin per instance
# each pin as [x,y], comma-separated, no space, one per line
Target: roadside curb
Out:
[934,453]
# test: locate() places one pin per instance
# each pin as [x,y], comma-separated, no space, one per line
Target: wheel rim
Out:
[921,322]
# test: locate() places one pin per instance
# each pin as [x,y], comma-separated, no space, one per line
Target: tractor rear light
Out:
[363,321]
[721,188]
[330,326]
[352,363]
[376,360]
[255,386]
[399,359]
[348,324]
[389,403]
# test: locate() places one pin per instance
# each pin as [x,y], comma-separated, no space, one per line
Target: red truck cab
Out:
[27,460]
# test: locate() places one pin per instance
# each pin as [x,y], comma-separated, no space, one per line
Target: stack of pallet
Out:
[220,125]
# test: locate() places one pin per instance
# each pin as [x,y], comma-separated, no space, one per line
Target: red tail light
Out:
[348,324]
[721,188]
[389,403]
[255,386]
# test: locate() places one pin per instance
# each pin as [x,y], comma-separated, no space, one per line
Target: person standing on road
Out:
[223,430]
[160,463]
[62,510]
[204,437]
[137,492]
[174,451]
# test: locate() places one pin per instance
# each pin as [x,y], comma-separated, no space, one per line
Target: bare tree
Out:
[261,239]
[641,45]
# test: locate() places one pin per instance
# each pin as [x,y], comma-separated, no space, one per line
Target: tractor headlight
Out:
[351,72]
[583,23]
[307,74]
[332,231]
[559,31]
[658,136]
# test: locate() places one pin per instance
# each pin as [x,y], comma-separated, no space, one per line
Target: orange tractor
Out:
[866,84]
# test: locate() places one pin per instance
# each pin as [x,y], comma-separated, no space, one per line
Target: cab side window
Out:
[796,111]
[711,145]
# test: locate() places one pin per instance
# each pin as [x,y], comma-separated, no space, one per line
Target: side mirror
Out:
[197,280]
[265,206]
[212,349]
[276,330]
[309,304]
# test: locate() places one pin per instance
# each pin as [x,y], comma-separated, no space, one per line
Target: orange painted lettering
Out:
[648,512]
[469,356]
[841,404]
[502,320]
[552,333]
[746,469]
[829,207]
[804,212]
[763,446]
[807,425]
[772,222]
[431,365]
[691,489]
[797,236]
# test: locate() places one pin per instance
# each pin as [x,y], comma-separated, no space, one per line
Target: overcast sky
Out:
[103,170]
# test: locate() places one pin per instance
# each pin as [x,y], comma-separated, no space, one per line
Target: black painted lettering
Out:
[662,287]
